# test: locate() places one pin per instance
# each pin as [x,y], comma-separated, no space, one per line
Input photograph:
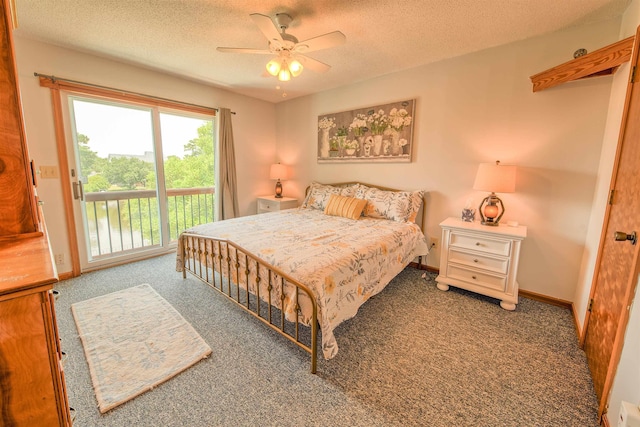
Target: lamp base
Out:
[491,210]
[278,190]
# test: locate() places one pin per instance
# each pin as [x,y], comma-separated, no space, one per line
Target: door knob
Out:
[621,236]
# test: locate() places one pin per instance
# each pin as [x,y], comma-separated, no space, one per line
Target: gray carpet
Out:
[414,356]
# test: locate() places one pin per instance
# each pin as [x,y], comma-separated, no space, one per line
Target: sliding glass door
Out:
[141,176]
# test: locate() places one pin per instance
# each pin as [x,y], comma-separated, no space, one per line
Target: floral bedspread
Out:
[343,261]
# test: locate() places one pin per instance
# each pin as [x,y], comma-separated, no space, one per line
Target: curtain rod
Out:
[54,78]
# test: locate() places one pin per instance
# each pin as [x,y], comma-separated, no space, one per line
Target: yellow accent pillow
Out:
[348,207]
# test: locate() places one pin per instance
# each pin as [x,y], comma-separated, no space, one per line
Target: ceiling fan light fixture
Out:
[296,68]
[284,75]
[288,51]
[274,66]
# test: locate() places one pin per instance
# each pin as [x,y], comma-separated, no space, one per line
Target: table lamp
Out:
[278,172]
[497,179]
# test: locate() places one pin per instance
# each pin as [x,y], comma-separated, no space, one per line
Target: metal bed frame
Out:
[207,257]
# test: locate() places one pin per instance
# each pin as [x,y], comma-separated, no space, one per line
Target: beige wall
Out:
[254,123]
[626,385]
[480,108]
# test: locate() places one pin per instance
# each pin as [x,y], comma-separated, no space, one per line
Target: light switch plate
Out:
[49,172]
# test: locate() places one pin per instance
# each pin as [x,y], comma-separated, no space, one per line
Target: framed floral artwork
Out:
[382,133]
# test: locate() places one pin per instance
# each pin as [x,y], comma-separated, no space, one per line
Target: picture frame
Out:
[380,133]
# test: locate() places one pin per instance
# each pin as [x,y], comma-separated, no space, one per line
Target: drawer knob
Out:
[474,277]
[477,243]
[475,260]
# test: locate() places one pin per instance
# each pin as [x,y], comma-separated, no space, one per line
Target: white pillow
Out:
[319,194]
[401,206]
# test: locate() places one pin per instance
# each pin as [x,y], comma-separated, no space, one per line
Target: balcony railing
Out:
[119,221]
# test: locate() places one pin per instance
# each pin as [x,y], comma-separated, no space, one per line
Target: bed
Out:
[311,266]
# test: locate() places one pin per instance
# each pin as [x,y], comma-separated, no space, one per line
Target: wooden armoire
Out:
[32,385]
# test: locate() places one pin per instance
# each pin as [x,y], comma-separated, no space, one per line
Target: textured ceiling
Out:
[383,36]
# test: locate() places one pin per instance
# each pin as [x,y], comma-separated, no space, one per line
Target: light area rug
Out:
[134,340]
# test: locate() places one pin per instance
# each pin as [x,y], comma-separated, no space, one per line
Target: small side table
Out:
[481,258]
[273,203]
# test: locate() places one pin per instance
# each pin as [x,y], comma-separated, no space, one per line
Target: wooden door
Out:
[616,272]
[17,198]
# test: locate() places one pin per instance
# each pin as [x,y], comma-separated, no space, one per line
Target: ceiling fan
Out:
[290,57]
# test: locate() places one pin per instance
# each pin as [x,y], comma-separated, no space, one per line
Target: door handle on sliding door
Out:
[78,192]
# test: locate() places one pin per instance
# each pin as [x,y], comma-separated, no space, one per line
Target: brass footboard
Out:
[256,286]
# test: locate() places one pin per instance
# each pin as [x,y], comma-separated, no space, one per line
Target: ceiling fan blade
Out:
[313,64]
[268,28]
[324,41]
[243,50]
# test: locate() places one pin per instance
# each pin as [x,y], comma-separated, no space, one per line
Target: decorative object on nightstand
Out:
[497,179]
[274,203]
[481,259]
[468,212]
[278,172]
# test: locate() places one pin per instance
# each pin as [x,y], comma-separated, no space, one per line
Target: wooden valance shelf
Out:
[602,62]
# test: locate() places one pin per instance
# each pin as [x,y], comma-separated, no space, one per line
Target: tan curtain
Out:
[228,206]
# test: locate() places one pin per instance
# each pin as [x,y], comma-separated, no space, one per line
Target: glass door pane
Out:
[116,170]
[188,156]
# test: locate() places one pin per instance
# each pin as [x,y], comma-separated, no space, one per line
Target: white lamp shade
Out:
[273,67]
[496,178]
[284,75]
[278,171]
[296,68]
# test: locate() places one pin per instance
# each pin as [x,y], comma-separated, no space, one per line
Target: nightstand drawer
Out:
[479,243]
[484,262]
[489,281]
[274,204]
[267,206]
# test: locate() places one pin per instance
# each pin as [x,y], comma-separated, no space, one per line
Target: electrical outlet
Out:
[433,242]
[59,258]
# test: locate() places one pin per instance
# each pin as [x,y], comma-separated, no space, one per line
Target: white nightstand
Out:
[272,203]
[481,258]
